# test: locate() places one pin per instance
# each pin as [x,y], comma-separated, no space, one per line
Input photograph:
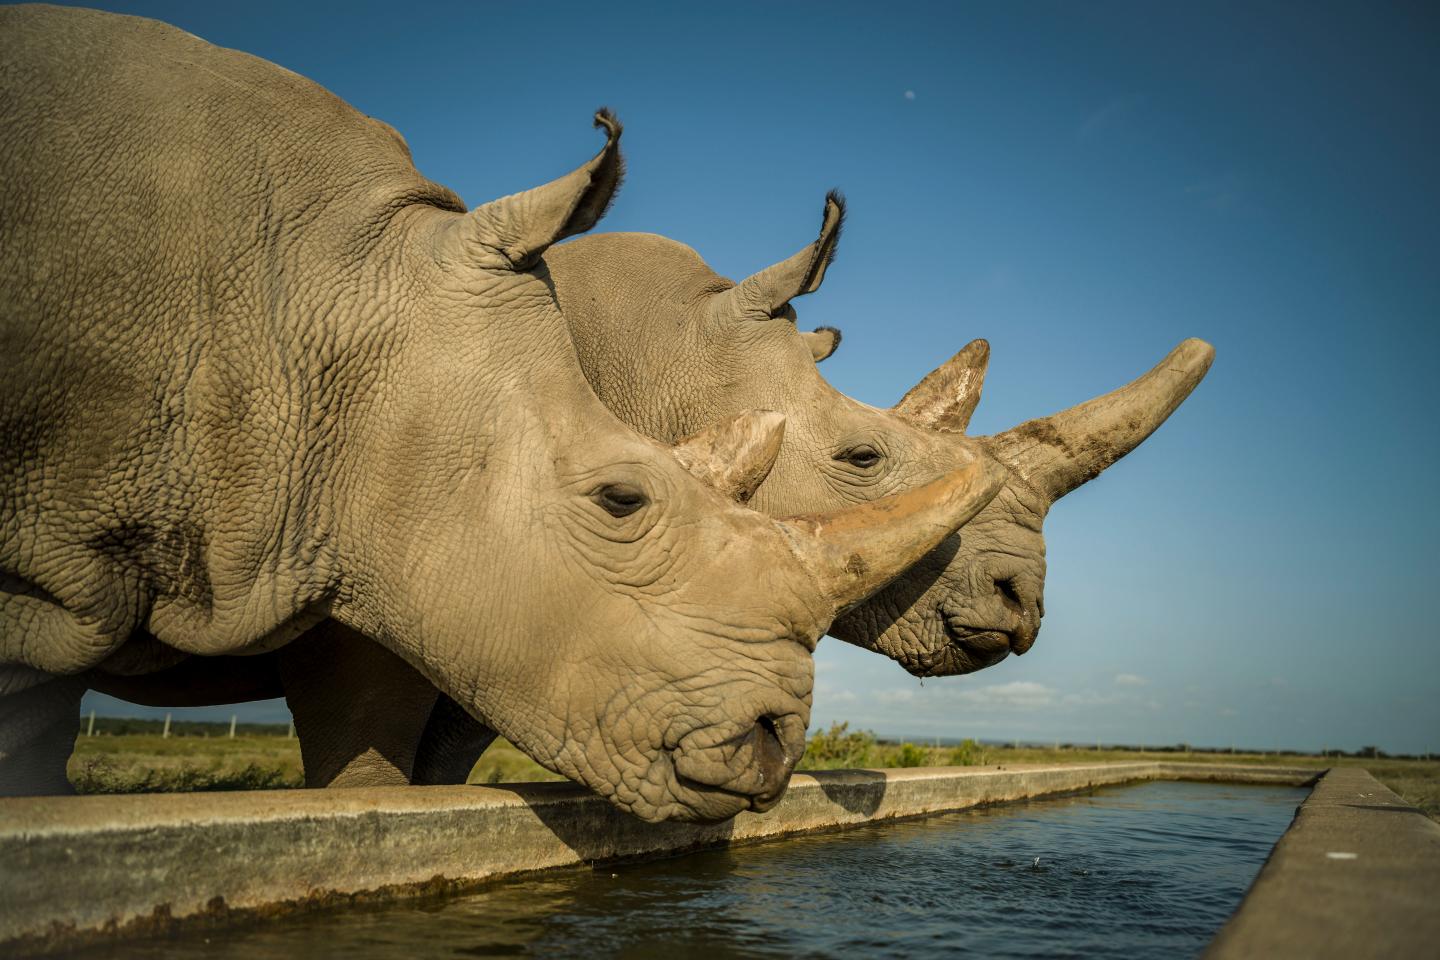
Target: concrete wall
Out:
[1356,875]
[77,869]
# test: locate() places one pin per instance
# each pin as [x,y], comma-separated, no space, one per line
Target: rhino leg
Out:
[452,743]
[39,718]
[359,709]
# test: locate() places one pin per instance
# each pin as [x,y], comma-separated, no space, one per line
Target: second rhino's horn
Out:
[1058,453]
[853,553]
[948,395]
[734,455]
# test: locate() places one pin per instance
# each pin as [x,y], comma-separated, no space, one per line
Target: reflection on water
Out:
[1149,870]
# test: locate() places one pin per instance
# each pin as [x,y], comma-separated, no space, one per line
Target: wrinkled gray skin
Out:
[258,372]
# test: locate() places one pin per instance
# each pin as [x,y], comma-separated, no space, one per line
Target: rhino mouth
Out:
[753,764]
[971,648]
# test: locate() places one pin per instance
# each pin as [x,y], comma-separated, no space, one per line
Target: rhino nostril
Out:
[772,758]
[1006,589]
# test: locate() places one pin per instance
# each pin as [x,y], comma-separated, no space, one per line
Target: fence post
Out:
[164,734]
[232,726]
[90,730]
[290,734]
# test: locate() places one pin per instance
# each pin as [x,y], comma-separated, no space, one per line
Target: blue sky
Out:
[1084,185]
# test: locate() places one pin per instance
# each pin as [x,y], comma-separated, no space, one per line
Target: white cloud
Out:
[1017,693]
[1023,694]
[1130,680]
[909,94]
[1089,698]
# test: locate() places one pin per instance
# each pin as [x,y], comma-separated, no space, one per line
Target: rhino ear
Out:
[734,455]
[513,232]
[822,342]
[768,293]
[947,396]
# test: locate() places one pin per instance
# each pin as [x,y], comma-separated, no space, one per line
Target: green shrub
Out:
[911,756]
[968,754]
[839,749]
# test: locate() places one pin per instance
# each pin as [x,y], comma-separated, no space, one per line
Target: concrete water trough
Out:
[1357,867]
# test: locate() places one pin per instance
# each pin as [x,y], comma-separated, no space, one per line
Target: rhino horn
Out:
[734,455]
[513,232]
[767,294]
[948,395]
[1058,453]
[855,552]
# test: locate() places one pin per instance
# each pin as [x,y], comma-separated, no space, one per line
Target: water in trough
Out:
[1138,871]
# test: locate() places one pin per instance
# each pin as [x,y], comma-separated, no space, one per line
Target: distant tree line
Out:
[1368,752]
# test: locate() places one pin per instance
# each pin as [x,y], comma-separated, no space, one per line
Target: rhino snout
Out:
[1025,607]
[755,761]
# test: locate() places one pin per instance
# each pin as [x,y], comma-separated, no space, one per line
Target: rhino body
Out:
[258,374]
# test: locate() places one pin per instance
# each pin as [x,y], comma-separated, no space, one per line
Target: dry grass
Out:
[151,764]
[502,763]
[146,763]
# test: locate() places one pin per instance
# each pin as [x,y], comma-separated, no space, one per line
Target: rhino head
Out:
[986,594]
[641,630]
[668,344]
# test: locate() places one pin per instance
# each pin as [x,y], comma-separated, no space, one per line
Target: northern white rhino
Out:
[671,346]
[257,371]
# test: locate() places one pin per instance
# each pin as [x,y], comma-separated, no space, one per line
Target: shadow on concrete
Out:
[855,791]
[597,832]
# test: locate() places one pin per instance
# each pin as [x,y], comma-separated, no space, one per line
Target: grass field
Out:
[150,763]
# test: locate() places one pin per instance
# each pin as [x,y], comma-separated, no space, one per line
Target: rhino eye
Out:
[620,499]
[861,457]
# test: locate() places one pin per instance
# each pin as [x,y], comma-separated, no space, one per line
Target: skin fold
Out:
[670,346]
[260,375]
